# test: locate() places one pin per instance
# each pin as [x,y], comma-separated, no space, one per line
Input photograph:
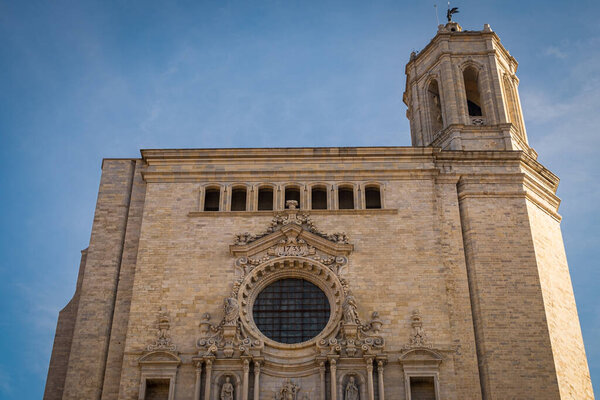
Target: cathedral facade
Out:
[429,272]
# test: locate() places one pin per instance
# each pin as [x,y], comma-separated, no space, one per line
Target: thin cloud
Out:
[554,51]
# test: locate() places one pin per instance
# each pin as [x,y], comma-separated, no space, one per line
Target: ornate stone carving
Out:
[228,336]
[289,391]
[291,217]
[351,392]
[418,337]
[477,121]
[291,246]
[227,390]
[349,307]
[232,311]
[355,338]
[163,340]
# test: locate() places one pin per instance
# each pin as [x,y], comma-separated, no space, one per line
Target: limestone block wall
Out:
[570,361]
[514,350]
[398,266]
[470,239]
[63,338]
[120,319]
[87,359]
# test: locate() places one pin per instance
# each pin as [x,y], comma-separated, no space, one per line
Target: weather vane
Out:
[451,12]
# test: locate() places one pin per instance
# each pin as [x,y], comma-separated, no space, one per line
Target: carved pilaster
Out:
[256,380]
[198,383]
[380,364]
[208,383]
[370,388]
[245,379]
[333,369]
[322,371]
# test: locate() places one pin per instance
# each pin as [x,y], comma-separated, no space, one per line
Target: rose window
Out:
[291,311]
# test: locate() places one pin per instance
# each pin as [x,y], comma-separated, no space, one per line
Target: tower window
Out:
[435,106]
[319,198]
[346,198]
[372,197]
[211,199]
[470,76]
[292,193]
[265,199]
[238,199]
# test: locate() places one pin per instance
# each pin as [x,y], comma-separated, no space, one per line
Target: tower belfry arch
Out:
[480,108]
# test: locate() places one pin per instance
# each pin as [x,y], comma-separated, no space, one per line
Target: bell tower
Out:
[461,93]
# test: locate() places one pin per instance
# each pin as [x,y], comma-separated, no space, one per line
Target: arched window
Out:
[346,198]
[212,197]
[292,193]
[238,199]
[435,107]
[372,197]
[318,197]
[471,77]
[265,198]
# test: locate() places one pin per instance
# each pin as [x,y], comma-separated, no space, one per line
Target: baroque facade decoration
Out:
[435,271]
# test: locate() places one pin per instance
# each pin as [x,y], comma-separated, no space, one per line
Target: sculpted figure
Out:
[349,308]
[288,391]
[232,311]
[227,390]
[351,390]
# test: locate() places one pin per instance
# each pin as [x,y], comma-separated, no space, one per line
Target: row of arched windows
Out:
[271,197]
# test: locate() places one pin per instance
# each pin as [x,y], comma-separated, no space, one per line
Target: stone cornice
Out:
[354,164]
[289,154]
[449,36]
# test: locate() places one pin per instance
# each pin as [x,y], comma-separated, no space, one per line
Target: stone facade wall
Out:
[561,313]
[87,359]
[510,323]
[120,319]
[63,338]
[455,240]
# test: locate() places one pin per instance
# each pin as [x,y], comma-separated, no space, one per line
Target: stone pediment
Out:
[290,234]
[160,357]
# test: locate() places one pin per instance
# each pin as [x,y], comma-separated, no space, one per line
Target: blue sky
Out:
[82,80]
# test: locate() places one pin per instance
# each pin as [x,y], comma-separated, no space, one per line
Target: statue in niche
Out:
[349,309]
[232,311]
[351,390]
[227,390]
[289,391]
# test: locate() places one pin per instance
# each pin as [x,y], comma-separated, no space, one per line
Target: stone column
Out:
[322,371]
[333,367]
[208,382]
[198,381]
[371,392]
[380,376]
[245,380]
[256,380]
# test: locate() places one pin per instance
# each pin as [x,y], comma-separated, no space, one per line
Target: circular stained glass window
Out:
[291,311]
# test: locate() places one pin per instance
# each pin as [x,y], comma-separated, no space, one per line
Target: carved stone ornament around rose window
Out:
[291,246]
